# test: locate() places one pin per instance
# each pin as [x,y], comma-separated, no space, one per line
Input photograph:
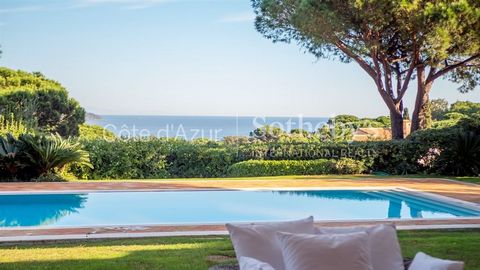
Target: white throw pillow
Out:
[424,262]
[258,241]
[385,250]
[247,263]
[325,252]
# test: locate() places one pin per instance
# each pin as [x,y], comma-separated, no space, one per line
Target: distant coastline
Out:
[197,127]
[92,116]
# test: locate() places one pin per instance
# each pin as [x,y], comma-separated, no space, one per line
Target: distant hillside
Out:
[92,116]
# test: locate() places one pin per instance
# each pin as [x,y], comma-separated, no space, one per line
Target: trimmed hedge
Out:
[124,160]
[161,158]
[295,167]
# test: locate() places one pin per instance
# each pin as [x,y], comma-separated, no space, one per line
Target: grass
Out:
[474,180]
[178,253]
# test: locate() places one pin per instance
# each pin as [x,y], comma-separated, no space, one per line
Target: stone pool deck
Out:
[454,189]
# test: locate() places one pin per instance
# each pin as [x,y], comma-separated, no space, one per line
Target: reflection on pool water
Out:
[184,207]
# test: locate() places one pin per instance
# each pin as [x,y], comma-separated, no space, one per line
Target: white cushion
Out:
[247,263]
[386,253]
[424,262]
[258,241]
[325,252]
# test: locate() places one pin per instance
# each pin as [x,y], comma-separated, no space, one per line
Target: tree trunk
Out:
[396,118]
[422,114]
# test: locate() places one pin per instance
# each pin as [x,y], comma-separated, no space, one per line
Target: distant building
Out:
[379,134]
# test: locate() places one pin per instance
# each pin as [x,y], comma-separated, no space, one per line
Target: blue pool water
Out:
[184,207]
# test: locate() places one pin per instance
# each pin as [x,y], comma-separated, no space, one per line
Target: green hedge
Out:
[124,160]
[160,158]
[295,167]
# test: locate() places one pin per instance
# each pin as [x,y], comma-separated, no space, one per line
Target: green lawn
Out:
[200,252]
[474,180]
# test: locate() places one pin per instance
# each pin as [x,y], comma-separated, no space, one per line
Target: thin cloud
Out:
[127,4]
[79,4]
[20,9]
[241,17]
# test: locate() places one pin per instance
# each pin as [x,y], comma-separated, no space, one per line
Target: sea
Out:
[198,127]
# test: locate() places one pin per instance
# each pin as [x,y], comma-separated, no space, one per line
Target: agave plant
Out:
[10,156]
[47,153]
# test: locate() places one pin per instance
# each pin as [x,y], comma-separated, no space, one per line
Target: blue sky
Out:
[181,57]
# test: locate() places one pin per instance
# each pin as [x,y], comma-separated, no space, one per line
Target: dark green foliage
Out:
[459,146]
[156,158]
[396,157]
[282,167]
[345,118]
[385,120]
[11,159]
[465,107]
[349,166]
[267,133]
[295,167]
[299,131]
[40,102]
[462,157]
[47,153]
[444,123]
[454,116]
[33,156]
[161,158]
[124,159]
[200,159]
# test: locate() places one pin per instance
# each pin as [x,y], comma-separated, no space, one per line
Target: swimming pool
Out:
[212,207]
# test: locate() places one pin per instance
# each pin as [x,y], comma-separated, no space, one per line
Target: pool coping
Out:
[45,233]
[51,237]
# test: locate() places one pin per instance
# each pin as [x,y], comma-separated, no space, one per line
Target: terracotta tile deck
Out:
[457,190]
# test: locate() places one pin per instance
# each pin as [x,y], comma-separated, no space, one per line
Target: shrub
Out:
[12,160]
[42,102]
[462,157]
[37,156]
[49,177]
[94,132]
[10,125]
[295,167]
[160,158]
[444,123]
[48,153]
[120,159]
[349,166]
[454,116]
[193,159]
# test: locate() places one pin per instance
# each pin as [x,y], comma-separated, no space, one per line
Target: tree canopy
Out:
[39,102]
[465,107]
[394,42]
[439,108]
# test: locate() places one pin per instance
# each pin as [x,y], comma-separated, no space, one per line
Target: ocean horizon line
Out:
[186,115]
